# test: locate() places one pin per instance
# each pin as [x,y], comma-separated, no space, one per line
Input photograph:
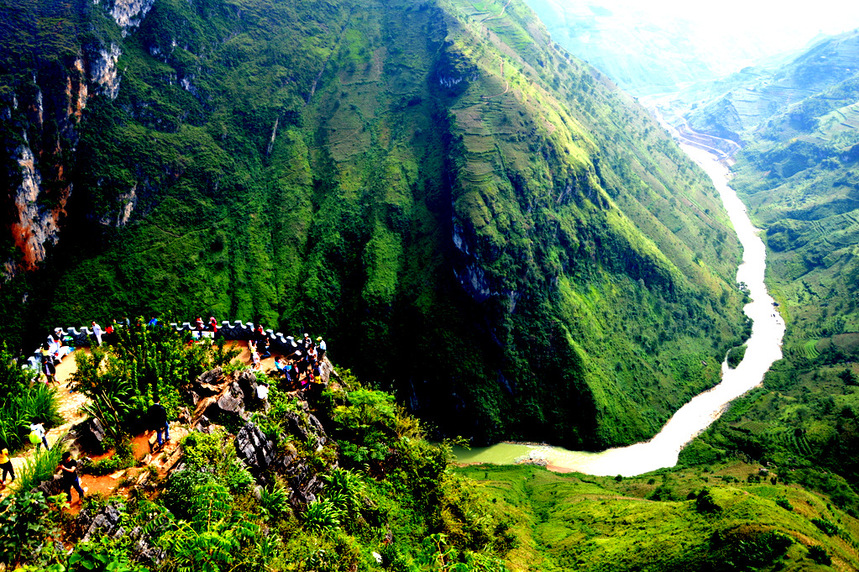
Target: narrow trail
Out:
[70,404]
[500,14]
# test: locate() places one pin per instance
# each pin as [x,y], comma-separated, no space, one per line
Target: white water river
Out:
[764,348]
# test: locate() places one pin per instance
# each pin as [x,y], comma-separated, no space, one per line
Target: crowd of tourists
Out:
[299,363]
[299,367]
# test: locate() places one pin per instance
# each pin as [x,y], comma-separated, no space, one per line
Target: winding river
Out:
[763,348]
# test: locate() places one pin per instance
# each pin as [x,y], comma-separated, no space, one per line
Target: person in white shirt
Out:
[96,331]
[39,430]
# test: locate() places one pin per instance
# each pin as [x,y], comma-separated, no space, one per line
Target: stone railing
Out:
[281,344]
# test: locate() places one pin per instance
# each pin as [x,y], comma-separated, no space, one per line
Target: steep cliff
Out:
[472,216]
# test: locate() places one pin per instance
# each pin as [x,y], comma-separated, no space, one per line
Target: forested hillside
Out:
[473,217]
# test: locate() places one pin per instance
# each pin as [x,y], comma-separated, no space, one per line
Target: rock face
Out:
[306,429]
[260,453]
[39,137]
[129,13]
[51,487]
[90,434]
[220,398]
[254,448]
[106,522]
[103,71]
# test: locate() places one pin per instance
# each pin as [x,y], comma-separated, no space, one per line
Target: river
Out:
[763,349]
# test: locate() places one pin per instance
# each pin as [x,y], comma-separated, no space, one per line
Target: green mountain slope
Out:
[799,176]
[470,215]
[746,101]
[676,520]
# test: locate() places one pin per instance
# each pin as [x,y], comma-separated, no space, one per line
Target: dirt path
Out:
[70,403]
[69,407]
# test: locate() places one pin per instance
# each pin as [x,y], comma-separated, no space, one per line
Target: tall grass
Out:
[40,467]
[37,403]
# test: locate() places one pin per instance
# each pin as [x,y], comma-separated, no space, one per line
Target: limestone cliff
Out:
[39,114]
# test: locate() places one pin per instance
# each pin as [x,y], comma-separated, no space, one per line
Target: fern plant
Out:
[213,539]
[274,500]
[321,516]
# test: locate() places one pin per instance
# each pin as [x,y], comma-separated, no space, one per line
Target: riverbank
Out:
[663,450]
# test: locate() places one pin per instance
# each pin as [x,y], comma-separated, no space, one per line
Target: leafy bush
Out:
[215,538]
[735,356]
[274,500]
[346,491]
[122,458]
[101,555]
[828,528]
[26,522]
[179,495]
[706,503]
[751,551]
[146,363]
[784,503]
[22,403]
[321,516]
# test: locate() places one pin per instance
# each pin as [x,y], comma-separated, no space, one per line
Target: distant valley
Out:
[490,234]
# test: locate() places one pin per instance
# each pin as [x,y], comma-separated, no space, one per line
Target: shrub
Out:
[22,403]
[784,503]
[180,490]
[25,524]
[819,555]
[706,503]
[40,467]
[321,516]
[828,528]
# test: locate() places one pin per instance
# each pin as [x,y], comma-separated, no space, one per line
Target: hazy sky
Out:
[724,35]
[781,25]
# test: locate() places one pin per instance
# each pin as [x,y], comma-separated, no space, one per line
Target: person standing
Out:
[48,365]
[6,465]
[263,347]
[39,430]
[158,418]
[213,326]
[69,467]
[320,343]
[96,331]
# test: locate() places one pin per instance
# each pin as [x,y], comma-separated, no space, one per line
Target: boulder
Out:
[209,383]
[247,381]
[231,403]
[90,434]
[52,486]
[303,493]
[254,448]
[306,428]
[103,523]
[222,399]
[204,425]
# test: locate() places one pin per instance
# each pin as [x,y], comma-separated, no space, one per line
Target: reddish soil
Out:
[70,403]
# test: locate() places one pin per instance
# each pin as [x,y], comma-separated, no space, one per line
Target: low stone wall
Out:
[236,330]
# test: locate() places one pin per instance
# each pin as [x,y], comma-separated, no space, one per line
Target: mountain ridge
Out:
[456,202]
